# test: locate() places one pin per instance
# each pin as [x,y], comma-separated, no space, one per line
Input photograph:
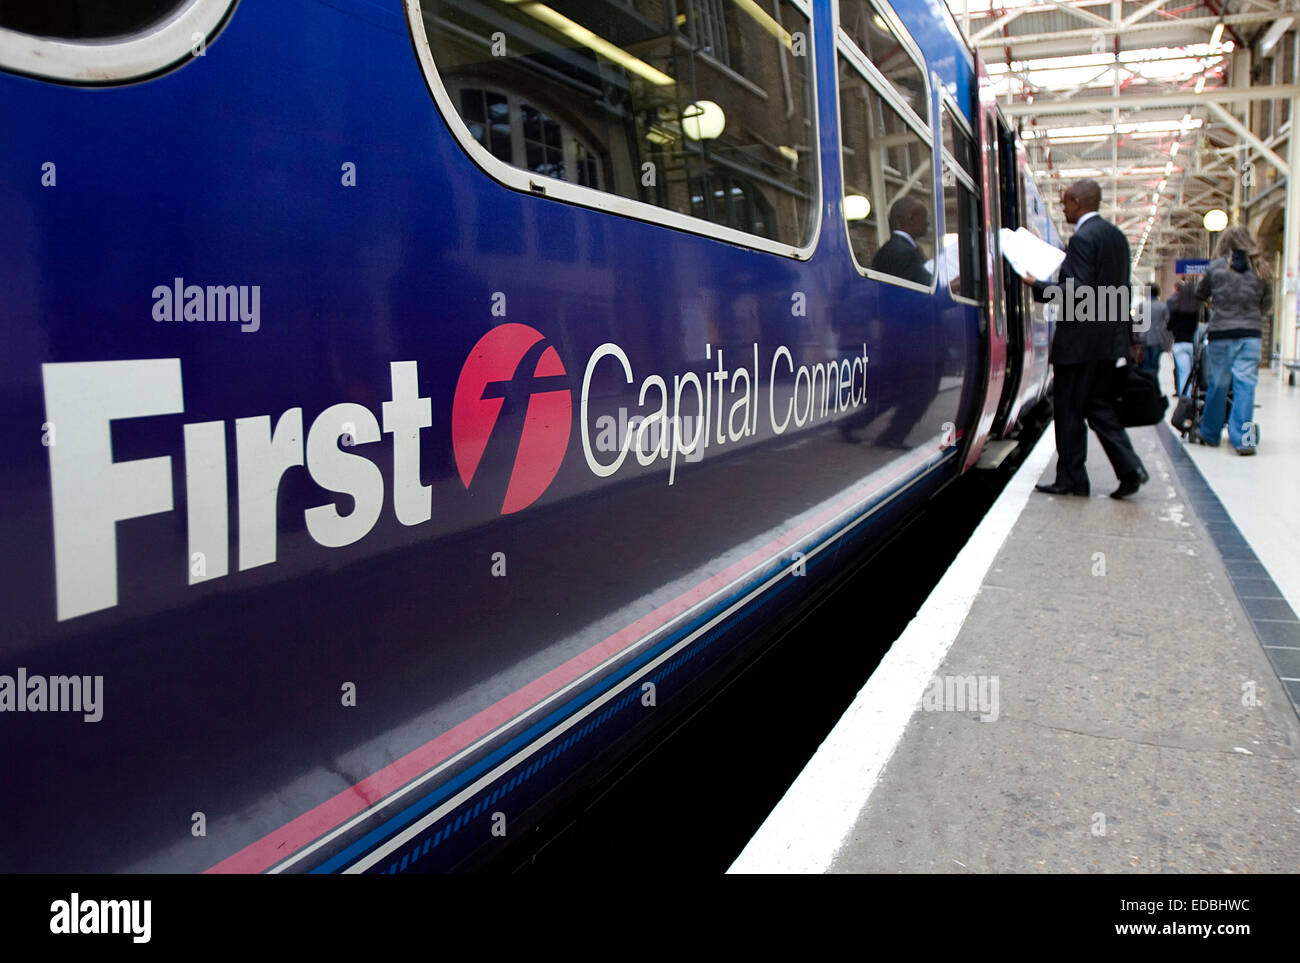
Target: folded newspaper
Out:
[1029,256]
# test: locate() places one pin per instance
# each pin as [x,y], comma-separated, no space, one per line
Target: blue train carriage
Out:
[414,406]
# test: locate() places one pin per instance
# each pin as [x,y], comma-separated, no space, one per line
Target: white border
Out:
[115,59]
[816,816]
[528,182]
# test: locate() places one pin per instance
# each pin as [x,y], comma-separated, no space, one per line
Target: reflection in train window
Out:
[516,132]
[731,201]
[888,182]
[867,28]
[702,107]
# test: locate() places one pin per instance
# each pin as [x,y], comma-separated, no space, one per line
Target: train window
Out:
[959,143]
[84,19]
[961,210]
[879,40]
[888,180]
[699,114]
[93,42]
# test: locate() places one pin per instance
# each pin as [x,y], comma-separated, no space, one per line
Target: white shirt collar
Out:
[1079,223]
[906,235]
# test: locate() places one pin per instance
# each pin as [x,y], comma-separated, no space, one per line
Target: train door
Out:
[1017,295]
[995,329]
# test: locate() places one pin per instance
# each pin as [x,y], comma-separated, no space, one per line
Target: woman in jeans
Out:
[1237,286]
[1184,316]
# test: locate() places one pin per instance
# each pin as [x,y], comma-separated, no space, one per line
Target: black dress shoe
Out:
[1130,483]
[1062,490]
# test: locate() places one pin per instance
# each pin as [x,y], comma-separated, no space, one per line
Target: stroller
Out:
[1186,418]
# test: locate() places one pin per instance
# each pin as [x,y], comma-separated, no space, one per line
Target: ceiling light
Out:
[856,207]
[1200,84]
[703,120]
[1217,34]
[1215,220]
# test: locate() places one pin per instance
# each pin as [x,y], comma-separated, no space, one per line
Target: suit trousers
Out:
[1086,391]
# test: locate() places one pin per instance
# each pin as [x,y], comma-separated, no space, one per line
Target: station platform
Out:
[1095,686]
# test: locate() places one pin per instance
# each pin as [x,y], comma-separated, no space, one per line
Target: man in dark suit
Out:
[908,219]
[1094,332]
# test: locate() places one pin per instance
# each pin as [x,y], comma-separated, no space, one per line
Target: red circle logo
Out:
[513,362]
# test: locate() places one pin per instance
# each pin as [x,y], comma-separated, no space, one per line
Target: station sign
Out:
[1195,266]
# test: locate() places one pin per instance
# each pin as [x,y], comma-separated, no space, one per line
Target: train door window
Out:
[659,106]
[961,210]
[879,38]
[888,167]
[995,276]
[93,42]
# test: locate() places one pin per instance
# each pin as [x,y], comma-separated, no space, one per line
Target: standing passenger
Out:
[1236,285]
[1088,344]
[1184,315]
[1154,316]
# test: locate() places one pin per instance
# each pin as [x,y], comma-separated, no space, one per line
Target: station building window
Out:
[515,132]
[726,199]
[658,102]
[888,165]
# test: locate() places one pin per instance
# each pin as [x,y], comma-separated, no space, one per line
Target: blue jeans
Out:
[1182,364]
[1150,359]
[1236,359]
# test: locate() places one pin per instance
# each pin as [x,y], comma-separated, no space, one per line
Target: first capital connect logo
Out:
[513,361]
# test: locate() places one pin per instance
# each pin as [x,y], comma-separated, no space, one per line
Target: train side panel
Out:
[370,572]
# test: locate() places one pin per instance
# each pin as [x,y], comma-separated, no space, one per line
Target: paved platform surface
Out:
[1137,724]
[1125,738]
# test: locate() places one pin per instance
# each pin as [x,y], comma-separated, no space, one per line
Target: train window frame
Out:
[136,56]
[857,60]
[526,182]
[948,108]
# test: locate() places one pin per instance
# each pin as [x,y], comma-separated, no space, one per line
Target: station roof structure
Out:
[1157,100]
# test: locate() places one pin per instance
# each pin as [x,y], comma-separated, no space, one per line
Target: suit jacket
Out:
[1096,322]
[900,257]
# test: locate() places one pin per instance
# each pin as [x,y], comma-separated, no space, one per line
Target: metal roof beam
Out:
[998,24]
[1107,29]
[1181,98]
[1244,133]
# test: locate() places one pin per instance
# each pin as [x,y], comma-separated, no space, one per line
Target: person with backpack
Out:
[1236,284]
[1152,318]
[1184,315]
